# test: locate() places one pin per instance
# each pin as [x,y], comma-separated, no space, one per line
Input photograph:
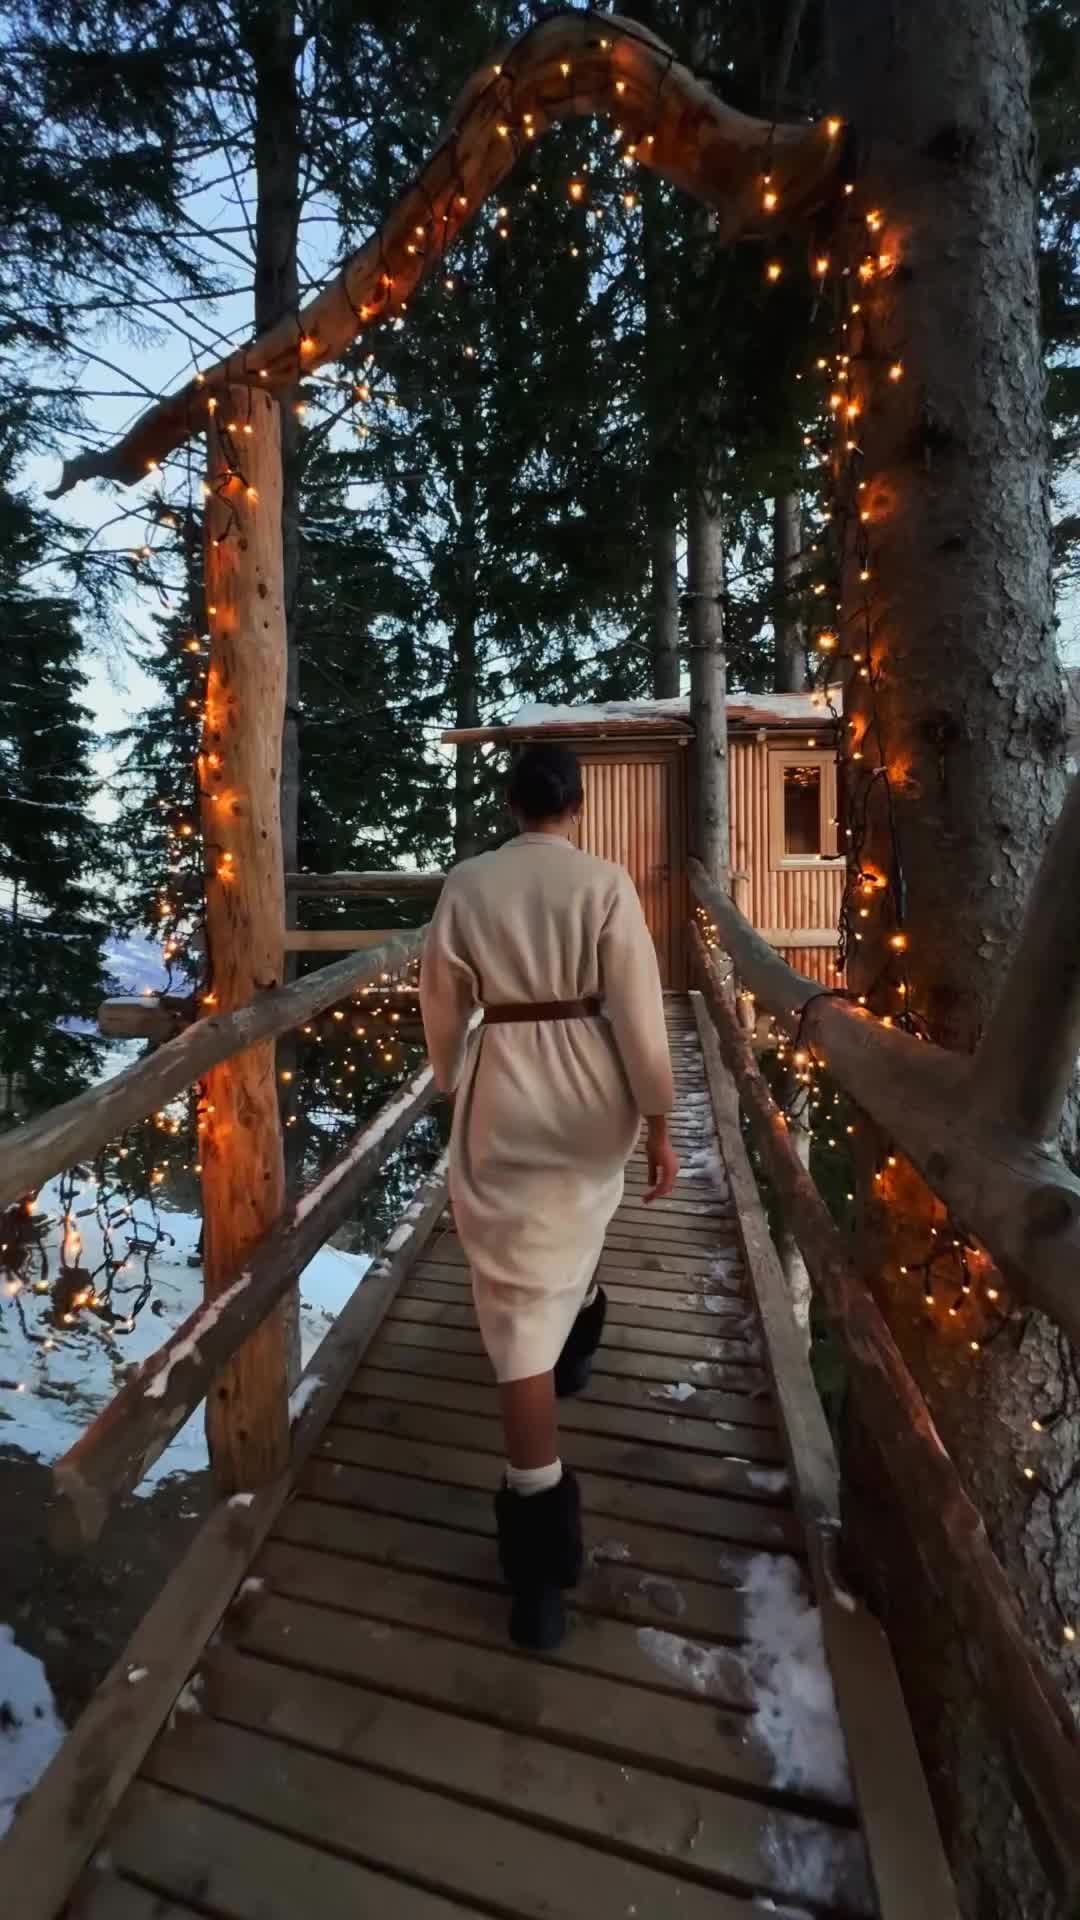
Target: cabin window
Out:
[802,807]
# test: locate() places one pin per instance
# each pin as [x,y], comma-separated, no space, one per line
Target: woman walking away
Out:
[549,1093]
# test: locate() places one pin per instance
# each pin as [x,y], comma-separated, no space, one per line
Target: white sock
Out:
[528,1480]
[591,1295]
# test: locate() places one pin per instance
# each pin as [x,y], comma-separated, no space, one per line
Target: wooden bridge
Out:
[323,1711]
[320,1710]
[323,1707]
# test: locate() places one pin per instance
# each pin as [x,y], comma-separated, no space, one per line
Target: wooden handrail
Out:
[424,884]
[81,1127]
[1010,1193]
[128,1435]
[1033,1719]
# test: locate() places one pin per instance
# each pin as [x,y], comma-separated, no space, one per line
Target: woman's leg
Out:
[529,1421]
[538,1514]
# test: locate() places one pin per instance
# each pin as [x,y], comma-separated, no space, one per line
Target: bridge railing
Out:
[133,1429]
[1032,1718]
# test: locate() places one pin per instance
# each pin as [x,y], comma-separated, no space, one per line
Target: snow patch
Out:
[683,1391]
[771,1480]
[302,1394]
[65,1385]
[607,1550]
[31,1730]
[705,1670]
[186,1349]
[796,1718]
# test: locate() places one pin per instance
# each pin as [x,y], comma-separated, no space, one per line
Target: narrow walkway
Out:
[361,1737]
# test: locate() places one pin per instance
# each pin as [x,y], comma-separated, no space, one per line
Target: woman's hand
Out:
[662,1157]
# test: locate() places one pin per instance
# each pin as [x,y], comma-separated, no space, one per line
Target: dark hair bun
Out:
[545,781]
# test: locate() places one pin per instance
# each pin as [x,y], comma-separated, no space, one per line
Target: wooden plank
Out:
[476,1617]
[663,1466]
[620,1273]
[105,1896]
[715,1433]
[704,1514]
[672,1823]
[61,1821]
[615,1589]
[627,1333]
[907,1859]
[626,1306]
[459,1348]
[500,1863]
[617,1248]
[656,1549]
[661,1386]
[242,1868]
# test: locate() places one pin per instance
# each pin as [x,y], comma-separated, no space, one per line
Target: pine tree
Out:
[52,914]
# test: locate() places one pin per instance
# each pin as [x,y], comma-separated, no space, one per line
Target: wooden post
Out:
[247,1420]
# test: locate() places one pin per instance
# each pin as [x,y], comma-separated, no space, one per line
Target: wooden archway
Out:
[570,65]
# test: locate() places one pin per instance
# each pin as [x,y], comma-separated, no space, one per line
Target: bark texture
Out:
[789,639]
[239,775]
[708,682]
[269,37]
[964,713]
[662,423]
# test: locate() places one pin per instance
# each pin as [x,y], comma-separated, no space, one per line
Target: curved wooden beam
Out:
[569,66]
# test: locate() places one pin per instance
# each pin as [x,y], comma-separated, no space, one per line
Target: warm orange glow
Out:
[773,270]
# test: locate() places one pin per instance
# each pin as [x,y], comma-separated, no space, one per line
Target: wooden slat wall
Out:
[798,897]
[635,813]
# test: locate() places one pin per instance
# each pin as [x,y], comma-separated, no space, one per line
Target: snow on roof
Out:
[752,709]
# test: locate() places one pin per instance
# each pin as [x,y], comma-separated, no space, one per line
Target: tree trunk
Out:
[662,507]
[465,668]
[239,1124]
[268,29]
[958,729]
[708,682]
[789,639]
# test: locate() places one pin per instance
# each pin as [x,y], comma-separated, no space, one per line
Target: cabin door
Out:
[635,813]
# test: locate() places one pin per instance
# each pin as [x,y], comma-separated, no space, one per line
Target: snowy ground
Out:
[48,1394]
[30,1727]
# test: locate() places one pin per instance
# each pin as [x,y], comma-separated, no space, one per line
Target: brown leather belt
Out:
[498,1016]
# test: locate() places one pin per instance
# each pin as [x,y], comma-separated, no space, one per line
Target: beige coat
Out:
[547,1112]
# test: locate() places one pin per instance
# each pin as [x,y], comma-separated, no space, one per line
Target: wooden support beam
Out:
[1019,1201]
[145,1016]
[335,939]
[1033,1719]
[1027,1057]
[128,1435]
[425,884]
[240,1139]
[61,1822]
[60,1138]
[571,65]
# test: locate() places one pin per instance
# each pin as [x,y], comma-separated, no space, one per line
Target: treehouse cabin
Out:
[637,766]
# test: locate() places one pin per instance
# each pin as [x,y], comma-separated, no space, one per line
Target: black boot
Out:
[573,1368]
[540,1552]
